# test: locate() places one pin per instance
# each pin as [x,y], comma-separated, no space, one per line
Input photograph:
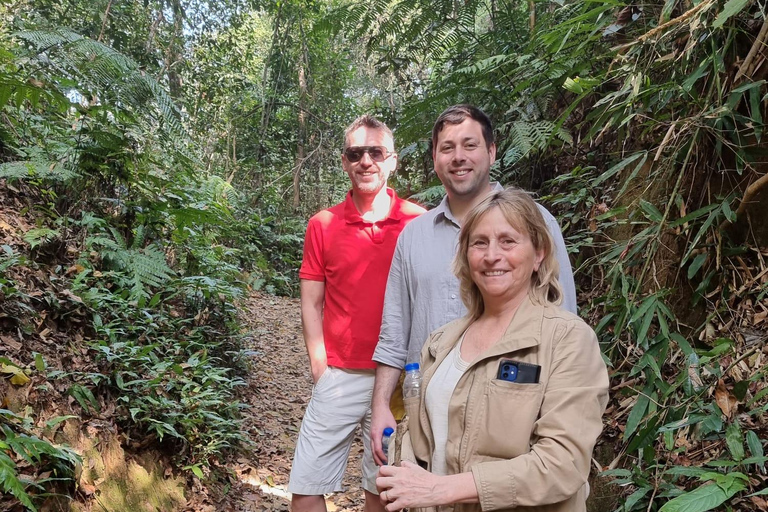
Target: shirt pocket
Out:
[509,412]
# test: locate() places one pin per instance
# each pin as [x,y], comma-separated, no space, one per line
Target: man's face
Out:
[462,158]
[367,175]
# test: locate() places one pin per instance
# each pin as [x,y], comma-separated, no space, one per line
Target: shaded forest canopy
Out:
[159,158]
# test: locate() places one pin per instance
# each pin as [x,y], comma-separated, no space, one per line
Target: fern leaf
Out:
[10,483]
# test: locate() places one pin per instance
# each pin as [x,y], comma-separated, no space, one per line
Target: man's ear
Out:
[492,152]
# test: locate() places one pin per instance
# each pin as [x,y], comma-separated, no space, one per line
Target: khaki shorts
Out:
[341,400]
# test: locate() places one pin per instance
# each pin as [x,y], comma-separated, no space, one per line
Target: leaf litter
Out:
[279,387]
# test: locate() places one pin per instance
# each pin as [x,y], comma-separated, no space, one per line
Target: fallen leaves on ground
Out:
[279,387]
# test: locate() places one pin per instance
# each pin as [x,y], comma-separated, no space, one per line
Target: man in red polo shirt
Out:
[348,250]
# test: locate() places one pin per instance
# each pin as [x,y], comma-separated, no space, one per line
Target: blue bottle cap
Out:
[411,366]
[389,431]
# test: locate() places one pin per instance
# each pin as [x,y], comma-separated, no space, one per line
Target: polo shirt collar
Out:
[443,211]
[352,216]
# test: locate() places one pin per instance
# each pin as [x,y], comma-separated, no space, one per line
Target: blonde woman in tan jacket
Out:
[513,393]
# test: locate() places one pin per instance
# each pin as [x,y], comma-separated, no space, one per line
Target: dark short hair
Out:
[456,115]
[367,121]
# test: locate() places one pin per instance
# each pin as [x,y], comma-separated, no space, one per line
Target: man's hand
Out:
[381,418]
[312,301]
[387,378]
[318,367]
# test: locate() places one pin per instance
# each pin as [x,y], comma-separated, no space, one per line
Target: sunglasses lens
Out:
[377,154]
[354,154]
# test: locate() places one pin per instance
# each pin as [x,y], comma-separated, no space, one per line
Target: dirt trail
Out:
[279,389]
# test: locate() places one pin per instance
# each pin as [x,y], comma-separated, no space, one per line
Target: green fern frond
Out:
[149,267]
[39,236]
[105,73]
[52,171]
[10,483]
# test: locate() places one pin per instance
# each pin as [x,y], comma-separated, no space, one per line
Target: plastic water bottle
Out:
[385,440]
[412,382]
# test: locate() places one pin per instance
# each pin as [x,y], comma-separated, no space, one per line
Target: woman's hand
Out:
[410,486]
[406,486]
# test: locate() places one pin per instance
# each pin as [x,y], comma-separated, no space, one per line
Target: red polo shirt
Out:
[352,257]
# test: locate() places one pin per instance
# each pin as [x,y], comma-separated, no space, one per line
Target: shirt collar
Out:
[443,211]
[352,216]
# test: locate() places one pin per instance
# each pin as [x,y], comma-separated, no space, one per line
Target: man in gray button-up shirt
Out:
[422,291]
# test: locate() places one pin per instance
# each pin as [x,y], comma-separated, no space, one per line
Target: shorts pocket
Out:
[323,379]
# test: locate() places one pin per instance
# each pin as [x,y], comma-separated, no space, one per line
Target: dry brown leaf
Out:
[725,399]
[10,343]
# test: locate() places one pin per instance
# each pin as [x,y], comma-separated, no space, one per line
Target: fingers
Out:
[384,472]
[378,452]
[381,418]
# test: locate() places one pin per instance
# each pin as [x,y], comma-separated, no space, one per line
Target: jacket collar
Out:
[524,331]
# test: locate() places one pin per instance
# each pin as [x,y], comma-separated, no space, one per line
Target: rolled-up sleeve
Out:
[561,254]
[392,348]
[564,435]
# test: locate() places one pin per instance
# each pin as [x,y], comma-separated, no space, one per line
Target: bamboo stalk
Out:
[759,41]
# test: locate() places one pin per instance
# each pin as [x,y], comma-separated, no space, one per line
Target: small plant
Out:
[19,446]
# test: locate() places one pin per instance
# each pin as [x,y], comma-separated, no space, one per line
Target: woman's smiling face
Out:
[501,259]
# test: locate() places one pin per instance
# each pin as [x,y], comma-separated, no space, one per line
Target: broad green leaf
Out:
[682,343]
[731,8]
[644,307]
[636,415]
[645,436]
[761,492]
[651,212]
[701,499]
[696,264]
[636,496]
[39,362]
[58,419]
[195,468]
[755,445]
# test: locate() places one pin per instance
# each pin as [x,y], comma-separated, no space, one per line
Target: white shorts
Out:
[341,400]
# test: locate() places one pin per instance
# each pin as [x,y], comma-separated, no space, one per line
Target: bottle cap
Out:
[411,366]
[389,431]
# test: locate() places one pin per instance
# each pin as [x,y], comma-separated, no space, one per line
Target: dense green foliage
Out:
[174,156]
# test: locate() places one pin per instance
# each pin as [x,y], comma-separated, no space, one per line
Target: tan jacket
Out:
[528,446]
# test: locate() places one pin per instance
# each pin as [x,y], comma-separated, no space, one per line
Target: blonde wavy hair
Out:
[522,213]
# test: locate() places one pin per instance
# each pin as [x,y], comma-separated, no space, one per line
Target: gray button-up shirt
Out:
[422,291]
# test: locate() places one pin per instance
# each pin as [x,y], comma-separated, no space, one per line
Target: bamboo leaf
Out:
[696,264]
[619,167]
[735,440]
[636,414]
[754,444]
[651,212]
[731,8]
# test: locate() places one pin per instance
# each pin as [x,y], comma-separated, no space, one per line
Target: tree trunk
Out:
[174,54]
[300,138]
[531,16]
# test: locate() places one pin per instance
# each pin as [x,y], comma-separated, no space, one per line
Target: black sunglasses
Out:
[377,153]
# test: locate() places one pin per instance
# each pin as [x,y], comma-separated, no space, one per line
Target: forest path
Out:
[279,387]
